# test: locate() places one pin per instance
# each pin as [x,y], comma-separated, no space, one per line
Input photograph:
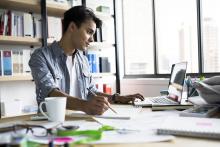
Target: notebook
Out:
[175,88]
[191,126]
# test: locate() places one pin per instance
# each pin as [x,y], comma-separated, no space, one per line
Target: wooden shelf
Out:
[25,77]
[21,5]
[56,9]
[103,16]
[13,40]
[99,45]
[100,75]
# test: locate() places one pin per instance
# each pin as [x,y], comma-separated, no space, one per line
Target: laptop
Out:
[175,89]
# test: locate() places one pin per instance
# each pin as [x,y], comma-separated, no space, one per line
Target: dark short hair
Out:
[79,15]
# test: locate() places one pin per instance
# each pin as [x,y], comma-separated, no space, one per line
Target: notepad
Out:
[105,115]
[191,126]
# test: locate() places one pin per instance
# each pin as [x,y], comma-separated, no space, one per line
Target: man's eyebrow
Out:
[91,30]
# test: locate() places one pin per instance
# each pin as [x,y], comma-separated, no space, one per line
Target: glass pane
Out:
[138,37]
[176,24]
[211,39]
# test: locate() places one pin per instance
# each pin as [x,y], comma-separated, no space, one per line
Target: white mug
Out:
[56,108]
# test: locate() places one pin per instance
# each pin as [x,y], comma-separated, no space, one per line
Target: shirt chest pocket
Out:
[58,78]
[86,75]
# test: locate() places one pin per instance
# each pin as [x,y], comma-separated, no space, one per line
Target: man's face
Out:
[83,35]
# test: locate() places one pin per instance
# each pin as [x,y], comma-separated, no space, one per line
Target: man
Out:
[61,69]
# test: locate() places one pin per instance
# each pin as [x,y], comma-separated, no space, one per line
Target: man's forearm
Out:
[73,103]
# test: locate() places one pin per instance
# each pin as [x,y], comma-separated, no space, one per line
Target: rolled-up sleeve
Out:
[42,75]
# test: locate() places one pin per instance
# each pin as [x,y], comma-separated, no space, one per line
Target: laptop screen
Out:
[178,73]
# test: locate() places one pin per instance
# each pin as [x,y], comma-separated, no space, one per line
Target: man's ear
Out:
[72,26]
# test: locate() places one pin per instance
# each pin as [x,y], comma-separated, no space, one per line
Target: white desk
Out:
[177,142]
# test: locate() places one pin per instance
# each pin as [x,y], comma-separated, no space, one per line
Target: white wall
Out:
[23,90]
[146,87]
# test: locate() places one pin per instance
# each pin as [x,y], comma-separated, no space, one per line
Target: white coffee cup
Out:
[56,108]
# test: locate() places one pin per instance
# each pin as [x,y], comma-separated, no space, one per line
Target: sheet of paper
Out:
[122,113]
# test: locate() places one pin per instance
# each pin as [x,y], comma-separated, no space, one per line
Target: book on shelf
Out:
[37,26]
[93,62]
[103,9]
[7,62]
[28,25]
[26,58]
[98,35]
[15,23]
[89,57]
[15,61]
[0,63]
[54,28]
[104,64]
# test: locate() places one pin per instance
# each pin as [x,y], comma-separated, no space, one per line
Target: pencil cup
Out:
[56,108]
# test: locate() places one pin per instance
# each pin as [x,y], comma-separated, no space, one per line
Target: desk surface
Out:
[177,142]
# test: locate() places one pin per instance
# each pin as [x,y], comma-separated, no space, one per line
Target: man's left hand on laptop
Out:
[129,98]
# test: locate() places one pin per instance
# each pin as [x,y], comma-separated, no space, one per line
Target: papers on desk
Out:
[140,128]
[142,125]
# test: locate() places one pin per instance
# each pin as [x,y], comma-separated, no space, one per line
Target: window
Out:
[176,27]
[138,37]
[177,36]
[211,35]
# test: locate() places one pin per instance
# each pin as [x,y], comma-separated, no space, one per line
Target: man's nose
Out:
[91,39]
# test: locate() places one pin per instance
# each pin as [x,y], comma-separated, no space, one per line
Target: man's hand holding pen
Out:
[97,105]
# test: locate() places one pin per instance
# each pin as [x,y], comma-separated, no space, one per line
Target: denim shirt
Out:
[49,71]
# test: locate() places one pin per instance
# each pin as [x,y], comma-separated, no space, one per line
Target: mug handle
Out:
[41,110]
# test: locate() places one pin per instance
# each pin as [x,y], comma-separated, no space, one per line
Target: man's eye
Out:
[90,32]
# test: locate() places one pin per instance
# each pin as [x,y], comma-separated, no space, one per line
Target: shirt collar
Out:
[58,50]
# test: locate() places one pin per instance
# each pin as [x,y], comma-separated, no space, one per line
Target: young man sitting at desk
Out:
[61,69]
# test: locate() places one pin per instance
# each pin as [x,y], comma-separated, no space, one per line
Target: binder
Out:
[191,126]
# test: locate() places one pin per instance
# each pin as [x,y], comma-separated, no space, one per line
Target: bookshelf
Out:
[56,9]
[17,40]
[18,85]
[21,5]
[26,77]
[105,46]
[46,8]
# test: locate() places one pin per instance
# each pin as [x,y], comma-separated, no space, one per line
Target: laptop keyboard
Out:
[162,100]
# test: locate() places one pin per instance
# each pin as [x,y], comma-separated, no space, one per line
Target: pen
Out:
[108,105]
